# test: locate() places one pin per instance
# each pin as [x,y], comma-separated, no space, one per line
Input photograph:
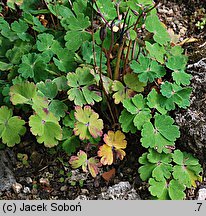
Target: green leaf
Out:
[45,126]
[176,190]
[137,106]
[80,83]
[6,30]
[132,82]
[147,69]
[5,66]
[165,126]
[154,101]
[34,21]
[69,120]
[61,83]
[156,51]
[65,61]
[121,92]
[180,77]
[11,127]
[58,108]
[22,93]
[88,123]
[33,67]
[71,144]
[145,171]
[76,29]
[88,56]
[107,9]
[160,136]
[126,121]
[154,26]
[59,9]
[20,48]
[175,94]
[177,62]
[48,88]
[20,27]
[164,190]
[45,43]
[155,165]
[187,169]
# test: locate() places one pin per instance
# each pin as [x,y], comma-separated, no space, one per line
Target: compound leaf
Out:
[114,141]
[187,169]
[45,126]
[137,106]
[81,161]
[175,94]
[33,67]
[87,123]
[147,69]
[11,127]
[76,29]
[164,190]
[80,82]
[121,92]
[160,137]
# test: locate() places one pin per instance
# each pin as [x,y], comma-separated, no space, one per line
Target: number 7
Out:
[200,204]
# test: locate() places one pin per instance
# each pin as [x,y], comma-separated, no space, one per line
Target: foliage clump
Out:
[86,74]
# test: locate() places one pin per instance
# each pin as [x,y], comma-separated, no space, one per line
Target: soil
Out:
[46,175]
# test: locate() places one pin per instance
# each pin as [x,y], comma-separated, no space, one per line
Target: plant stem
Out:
[119,54]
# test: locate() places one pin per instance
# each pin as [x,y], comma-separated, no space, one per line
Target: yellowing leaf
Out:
[81,161]
[88,123]
[114,143]
[116,139]
[106,154]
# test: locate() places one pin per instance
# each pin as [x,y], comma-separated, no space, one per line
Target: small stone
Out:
[82,197]
[63,188]
[44,181]
[85,191]
[28,180]
[16,187]
[26,190]
[202,194]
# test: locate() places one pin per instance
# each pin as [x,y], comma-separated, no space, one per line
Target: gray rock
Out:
[192,121]
[17,187]
[82,197]
[202,194]
[7,178]
[121,191]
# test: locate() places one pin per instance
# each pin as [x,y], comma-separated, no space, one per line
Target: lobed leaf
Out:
[22,93]
[147,69]
[11,127]
[160,136]
[114,141]
[87,123]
